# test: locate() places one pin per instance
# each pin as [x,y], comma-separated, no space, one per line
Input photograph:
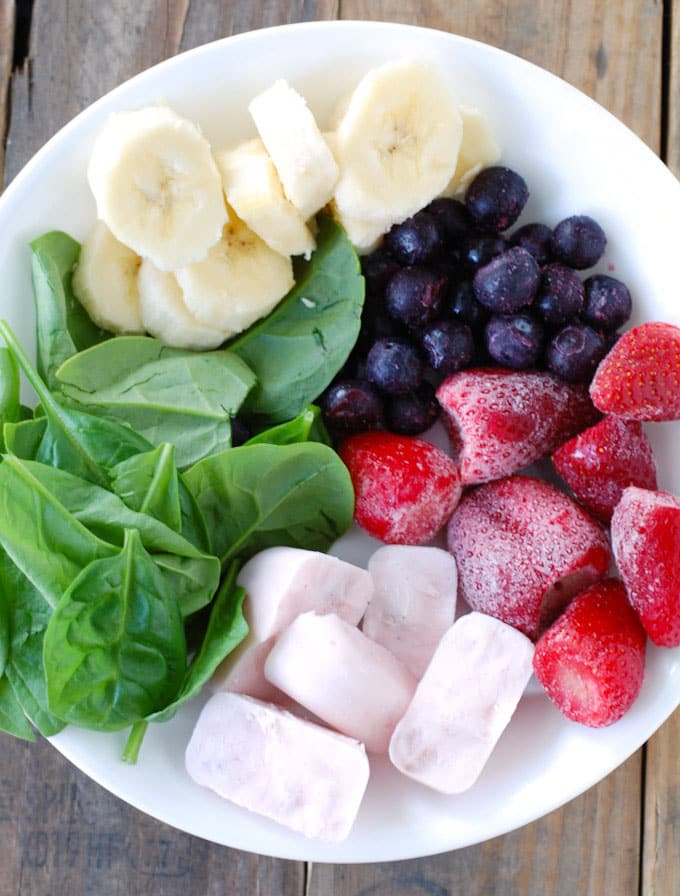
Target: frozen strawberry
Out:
[523,549]
[640,377]
[599,463]
[646,542]
[501,420]
[591,661]
[405,489]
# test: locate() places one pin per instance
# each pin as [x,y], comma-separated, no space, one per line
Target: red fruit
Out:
[591,662]
[523,549]
[599,463]
[405,489]
[640,377]
[646,542]
[501,420]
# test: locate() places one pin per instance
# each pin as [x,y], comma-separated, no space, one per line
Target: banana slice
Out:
[397,143]
[166,316]
[157,186]
[365,236]
[478,149]
[302,159]
[254,191]
[240,281]
[105,282]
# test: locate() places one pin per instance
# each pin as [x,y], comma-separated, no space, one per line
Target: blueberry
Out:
[394,365]
[535,238]
[377,269]
[416,240]
[453,219]
[449,346]
[464,307]
[507,282]
[608,302]
[560,296]
[578,241]
[413,413]
[514,340]
[414,295]
[574,353]
[352,405]
[496,197]
[477,249]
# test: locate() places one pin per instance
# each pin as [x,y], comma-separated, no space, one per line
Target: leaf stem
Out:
[134,741]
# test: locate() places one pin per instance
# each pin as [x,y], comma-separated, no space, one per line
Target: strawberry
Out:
[591,661]
[501,420]
[599,463]
[523,549]
[646,542]
[640,377]
[405,489]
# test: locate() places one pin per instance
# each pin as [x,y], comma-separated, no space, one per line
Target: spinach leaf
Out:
[4,630]
[10,406]
[63,325]
[296,351]
[73,440]
[114,648]
[12,718]
[289,433]
[23,439]
[257,496]
[166,394]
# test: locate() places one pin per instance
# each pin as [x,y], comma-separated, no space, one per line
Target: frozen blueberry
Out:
[508,282]
[535,238]
[574,353]
[560,296]
[477,249]
[578,241]
[452,217]
[414,412]
[416,240]
[414,295]
[496,197]
[608,303]
[377,269]
[514,340]
[449,346]
[394,365]
[352,405]
[464,307]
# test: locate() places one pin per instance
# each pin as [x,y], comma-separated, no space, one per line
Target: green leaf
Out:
[5,609]
[10,405]
[296,351]
[166,394]
[114,648]
[24,439]
[63,325]
[12,718]
[289,433]
[149,483]
[258,496]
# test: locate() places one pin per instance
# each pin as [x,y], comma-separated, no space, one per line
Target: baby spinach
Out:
[257,496]
[296,351]
[4,631]
[289,433]
[10,406]
[114,647]
[12,718]
[63,325]
[149,483]
[166,394]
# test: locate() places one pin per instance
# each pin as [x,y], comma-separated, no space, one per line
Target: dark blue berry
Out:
[416,240]
[413,413]
[515,340]
[535,238]
[574,353]
[508,282]
[496,197]
[560,296]
[464,307]
[394,365]
[449,346]
[608,303]
[578,241]
[453,219]
[414,295]
[352,405]
[477,249]
[377,269]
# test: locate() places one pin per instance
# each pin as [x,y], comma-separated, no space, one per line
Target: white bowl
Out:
[576,158]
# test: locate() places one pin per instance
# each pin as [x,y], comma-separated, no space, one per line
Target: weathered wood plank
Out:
[672,147]
[7,17]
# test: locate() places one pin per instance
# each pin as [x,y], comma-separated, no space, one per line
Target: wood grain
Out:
[7,17]
[672,148]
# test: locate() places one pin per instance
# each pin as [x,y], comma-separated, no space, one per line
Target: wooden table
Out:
[61,833]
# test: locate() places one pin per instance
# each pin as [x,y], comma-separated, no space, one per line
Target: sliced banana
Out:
[478,149]
[240,281]
[166,316]
[398,142]
[302,159]
[254,191]
[105,282]
[365,236]
[157,186]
